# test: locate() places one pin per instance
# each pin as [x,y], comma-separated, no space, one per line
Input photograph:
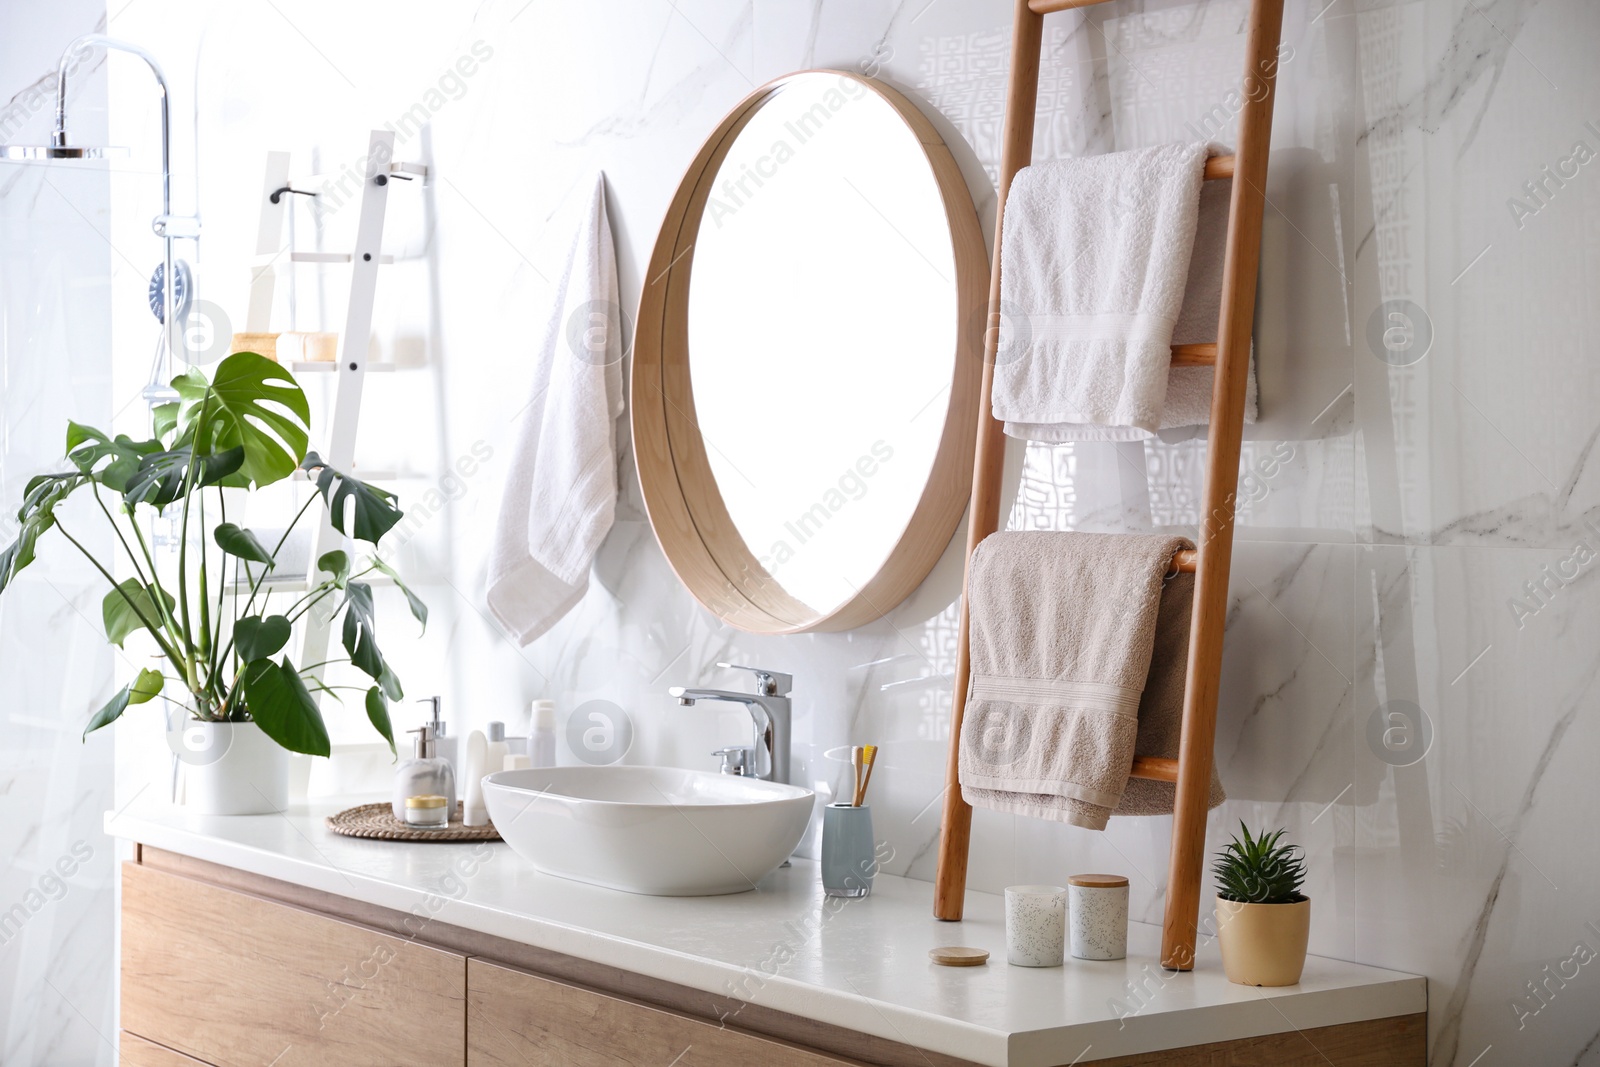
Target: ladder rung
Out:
[1194,355]
[1045,7]
[1160,770]
[1185,560]
[1218,167]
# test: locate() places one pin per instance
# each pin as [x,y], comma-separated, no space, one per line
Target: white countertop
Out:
[860,964]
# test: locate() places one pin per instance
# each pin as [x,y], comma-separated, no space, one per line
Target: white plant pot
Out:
[232,768]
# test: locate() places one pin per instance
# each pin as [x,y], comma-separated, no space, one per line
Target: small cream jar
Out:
[427,812]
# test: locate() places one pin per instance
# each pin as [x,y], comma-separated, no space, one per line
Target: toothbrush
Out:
[857,761]
[869,757]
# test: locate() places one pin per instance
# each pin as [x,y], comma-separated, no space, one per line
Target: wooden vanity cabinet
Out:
[236,980]
[221,968]
[517,1019]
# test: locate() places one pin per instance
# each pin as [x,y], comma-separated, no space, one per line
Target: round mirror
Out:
[806,363]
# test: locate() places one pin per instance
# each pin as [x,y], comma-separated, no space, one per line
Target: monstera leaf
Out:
[257,638]
[160,477]
[378,714]
[237,541]
[89,449]
[419,610]
[373,508]
[282,706]
[147,686]
[127,607]
[250,403]
[37,515]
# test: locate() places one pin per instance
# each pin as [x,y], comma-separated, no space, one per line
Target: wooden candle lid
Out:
[954,956]
[1098,881]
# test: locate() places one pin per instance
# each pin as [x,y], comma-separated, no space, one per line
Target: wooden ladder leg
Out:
[988,466]
[1196,750]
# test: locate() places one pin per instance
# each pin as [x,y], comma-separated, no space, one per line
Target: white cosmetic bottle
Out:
[473,810]
[542,738]
[499,748]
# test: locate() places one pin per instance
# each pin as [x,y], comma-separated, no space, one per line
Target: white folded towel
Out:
[1189,388]
[1096,262]
[560,494]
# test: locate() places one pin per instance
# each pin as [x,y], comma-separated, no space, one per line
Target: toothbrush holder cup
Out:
[849,858]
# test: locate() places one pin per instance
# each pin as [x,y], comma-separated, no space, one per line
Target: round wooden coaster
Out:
[378,821]
[955,956]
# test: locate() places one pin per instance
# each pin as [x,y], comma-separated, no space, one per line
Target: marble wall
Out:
[57,983]
[1412,475]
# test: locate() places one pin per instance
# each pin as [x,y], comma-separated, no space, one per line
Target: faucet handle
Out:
[736,760]
[768,683]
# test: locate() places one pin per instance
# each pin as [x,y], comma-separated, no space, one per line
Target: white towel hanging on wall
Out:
[560,494]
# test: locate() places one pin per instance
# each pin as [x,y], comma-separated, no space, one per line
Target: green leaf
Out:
[280,703]
[120,616]
[250,403]
[374,510]
[89,449]
[37,515]
[160,477]
[419,610]
[1259,870]
[336,563]
[257,638]
[378,713]
[164,419]
[111,712]
[360,642]
[145,687]
[240,542]
[390,682]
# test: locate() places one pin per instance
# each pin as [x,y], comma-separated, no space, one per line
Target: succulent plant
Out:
[1258,870]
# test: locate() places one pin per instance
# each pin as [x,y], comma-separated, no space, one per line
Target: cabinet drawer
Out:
[238,981]
[516,1019]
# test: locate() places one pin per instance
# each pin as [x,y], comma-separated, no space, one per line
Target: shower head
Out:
[35,152]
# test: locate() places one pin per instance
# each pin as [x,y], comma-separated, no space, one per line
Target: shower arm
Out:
[166,225]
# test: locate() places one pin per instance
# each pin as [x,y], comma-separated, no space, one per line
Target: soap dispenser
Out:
[425,774]
[445,746]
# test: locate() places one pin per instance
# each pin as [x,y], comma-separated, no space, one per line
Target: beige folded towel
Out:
[1161,706]
[1063,630]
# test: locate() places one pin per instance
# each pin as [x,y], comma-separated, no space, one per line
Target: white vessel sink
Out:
[655,830]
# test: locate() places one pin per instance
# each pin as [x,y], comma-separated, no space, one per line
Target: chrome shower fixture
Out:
[166,225]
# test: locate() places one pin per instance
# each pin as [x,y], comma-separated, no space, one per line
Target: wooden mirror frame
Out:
[681,496]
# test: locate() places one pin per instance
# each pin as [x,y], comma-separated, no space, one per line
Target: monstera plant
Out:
[220,644]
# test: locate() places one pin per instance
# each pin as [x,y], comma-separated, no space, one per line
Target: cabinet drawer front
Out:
[239,981]
[516,1019]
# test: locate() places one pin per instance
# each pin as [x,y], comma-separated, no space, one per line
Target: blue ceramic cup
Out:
[849,859]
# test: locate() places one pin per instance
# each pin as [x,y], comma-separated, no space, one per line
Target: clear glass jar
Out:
[428,812]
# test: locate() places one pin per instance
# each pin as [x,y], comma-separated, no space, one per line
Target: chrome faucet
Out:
[769,708]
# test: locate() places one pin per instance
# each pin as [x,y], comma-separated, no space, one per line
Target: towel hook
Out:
[277,194]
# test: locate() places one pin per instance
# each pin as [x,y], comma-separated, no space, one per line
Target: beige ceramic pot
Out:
[1263,944]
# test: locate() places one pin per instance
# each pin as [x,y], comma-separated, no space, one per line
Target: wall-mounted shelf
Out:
[278,259]
[327,366]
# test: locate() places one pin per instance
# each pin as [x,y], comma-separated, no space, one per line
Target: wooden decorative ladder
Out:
[1211,563]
